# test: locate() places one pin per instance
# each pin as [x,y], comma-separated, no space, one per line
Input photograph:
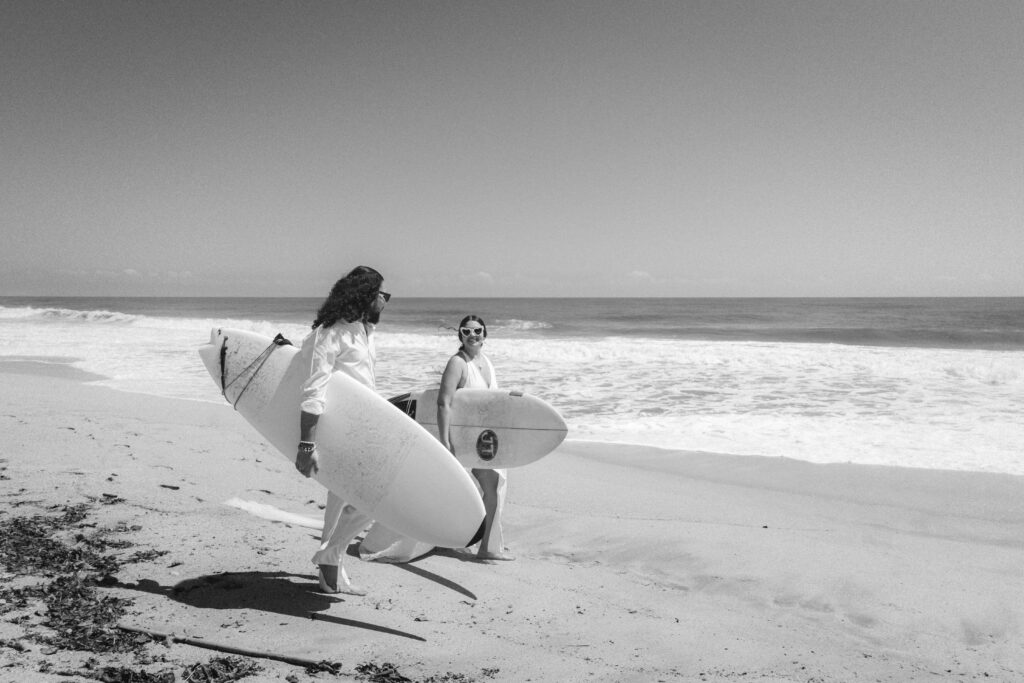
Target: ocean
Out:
[936,383]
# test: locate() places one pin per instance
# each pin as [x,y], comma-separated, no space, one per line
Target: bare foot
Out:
[329,582]
[485,555]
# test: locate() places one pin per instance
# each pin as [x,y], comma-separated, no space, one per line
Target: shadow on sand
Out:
[265,591]
[426,574]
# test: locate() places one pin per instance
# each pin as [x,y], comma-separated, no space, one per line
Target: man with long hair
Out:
[341,341]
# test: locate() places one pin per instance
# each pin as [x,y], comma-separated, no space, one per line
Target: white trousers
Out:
[342,523]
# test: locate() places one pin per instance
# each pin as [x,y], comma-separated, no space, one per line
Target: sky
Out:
[479,148]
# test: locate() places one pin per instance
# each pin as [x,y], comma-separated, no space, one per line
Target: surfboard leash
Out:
[264,356]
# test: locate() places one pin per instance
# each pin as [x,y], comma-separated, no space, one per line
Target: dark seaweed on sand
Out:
[79,618]
[380,673]
[28,546]
[388,673]
[217,670]
[120,674]
[221,670]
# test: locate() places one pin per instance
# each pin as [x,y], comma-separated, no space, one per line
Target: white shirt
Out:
[342,347]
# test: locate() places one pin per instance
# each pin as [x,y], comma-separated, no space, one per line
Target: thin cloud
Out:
[479,278]
[639,276]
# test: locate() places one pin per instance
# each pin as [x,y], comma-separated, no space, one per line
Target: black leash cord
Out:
[279,340]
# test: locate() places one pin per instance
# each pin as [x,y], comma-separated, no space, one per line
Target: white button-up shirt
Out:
[342,347]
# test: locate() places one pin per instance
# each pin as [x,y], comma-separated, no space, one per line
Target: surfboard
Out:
[490,428]
[371,455]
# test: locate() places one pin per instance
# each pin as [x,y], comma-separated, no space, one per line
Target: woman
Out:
[469,368]
[341,341]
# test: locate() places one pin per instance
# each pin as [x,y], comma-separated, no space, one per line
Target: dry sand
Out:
[633,564]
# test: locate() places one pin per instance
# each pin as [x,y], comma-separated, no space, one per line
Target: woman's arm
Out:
[314,393]
[450,381]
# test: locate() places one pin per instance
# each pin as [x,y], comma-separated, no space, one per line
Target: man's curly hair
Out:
[350,297]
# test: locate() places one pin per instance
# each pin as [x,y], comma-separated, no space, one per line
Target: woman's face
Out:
[472,334]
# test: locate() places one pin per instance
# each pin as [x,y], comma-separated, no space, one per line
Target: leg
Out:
[492,483]
[342,523]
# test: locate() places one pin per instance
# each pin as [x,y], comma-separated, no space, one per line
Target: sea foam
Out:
[920,407]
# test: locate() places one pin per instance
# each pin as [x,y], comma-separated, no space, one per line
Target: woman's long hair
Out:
[350,297]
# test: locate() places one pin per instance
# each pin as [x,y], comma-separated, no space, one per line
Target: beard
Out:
[372,317]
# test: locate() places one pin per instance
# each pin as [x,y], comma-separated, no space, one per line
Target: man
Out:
[341,341]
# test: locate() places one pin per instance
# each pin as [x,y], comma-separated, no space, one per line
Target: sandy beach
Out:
[632,564]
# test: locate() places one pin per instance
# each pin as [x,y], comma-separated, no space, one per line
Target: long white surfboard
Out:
[491,428]
[371,455]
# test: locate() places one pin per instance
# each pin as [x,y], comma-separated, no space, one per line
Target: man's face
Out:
[377,305]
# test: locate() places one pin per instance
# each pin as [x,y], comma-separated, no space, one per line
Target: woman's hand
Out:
[307,461]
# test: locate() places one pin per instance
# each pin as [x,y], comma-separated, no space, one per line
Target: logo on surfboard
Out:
[487,445]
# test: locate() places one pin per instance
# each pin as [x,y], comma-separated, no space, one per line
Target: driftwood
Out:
[231,649]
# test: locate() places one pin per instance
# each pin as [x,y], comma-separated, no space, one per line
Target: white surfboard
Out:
[371,455]
[491,428]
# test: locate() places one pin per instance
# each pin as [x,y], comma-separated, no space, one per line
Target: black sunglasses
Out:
[387,297]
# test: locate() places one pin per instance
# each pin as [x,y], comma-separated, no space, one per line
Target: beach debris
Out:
[221,670]
[217,670]
[79,618]
[388,673]
[380,673]
[324,666]
[71,562]
[27,546]
[147,555]
[83,621]
[121,674]
[13,644]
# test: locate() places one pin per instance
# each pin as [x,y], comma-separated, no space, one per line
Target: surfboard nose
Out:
[210,353]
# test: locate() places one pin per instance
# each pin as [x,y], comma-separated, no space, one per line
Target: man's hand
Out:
[307,462]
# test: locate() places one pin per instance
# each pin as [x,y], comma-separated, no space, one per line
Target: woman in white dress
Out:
[469,368]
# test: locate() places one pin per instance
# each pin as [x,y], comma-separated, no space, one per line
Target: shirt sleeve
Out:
[314,389]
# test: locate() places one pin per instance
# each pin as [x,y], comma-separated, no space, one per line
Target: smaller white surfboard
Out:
[491,428]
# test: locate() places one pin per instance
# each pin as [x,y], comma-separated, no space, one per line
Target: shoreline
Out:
[61,368]
[632,564]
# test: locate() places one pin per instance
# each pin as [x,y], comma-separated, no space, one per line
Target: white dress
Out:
[384,545]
